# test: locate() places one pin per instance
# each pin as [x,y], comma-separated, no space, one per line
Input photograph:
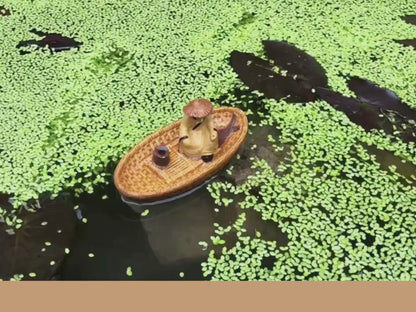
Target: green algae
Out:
[66,116]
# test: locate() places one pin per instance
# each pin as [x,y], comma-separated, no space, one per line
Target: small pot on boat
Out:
[161,156]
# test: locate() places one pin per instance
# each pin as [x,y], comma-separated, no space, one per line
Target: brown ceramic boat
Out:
[138,177]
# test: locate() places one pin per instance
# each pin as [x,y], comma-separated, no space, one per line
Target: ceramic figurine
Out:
[197,136]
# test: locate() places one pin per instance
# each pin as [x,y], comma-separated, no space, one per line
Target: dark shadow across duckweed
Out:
[259,74]
[374,111]
[407,42]
[297,62]
[54,41]
[4,11]
[293,74]
[369,92]
[388,159]
[411,19]
[363,114]
[298,77]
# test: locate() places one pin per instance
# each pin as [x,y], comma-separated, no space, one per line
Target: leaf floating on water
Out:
[217,240]
[259,74]
[203,244]
[296,62]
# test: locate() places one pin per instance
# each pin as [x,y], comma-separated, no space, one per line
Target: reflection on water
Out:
[387,159]
[38,246]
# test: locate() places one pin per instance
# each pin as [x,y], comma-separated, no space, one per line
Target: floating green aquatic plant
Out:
[345,218]
[129,271]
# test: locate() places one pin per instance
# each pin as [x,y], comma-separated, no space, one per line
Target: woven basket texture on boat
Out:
[137,177]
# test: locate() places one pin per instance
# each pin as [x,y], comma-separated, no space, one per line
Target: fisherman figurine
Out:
[197,136]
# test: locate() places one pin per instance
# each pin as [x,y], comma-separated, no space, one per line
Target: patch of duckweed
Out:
[345,218]
[66,116]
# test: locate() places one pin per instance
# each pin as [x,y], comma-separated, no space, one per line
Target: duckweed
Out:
[346,219]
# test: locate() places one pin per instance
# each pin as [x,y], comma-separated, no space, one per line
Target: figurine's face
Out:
[197,120]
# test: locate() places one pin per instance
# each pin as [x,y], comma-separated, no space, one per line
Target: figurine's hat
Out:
[198,108]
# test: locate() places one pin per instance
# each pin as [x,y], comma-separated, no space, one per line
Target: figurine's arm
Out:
[183,130]
[213,131]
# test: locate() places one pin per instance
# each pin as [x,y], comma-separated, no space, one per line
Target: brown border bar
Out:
[208,296]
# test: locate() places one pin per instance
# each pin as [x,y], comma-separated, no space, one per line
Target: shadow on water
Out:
[4,11]
[54,41]
[38,246]
[411,19]
[156,247]
[407,42]
[387,159]
[298,77]
[368,92]
[291,74]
